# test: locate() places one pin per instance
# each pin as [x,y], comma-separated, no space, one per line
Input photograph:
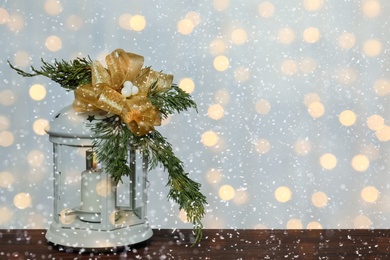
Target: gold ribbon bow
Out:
[104,92]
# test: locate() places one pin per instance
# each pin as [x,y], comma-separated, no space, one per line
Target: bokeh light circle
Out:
[283,194]
[369,194]
[22,200]
[328,161]
[226,192]
[360,162]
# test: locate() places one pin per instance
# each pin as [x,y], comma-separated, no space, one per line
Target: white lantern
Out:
[90,211]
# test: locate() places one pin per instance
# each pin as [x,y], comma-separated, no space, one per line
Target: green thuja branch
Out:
[69,75]
[170,100]
[111,146]
[184,191]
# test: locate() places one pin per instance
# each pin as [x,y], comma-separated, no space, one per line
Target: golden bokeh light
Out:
[183,216]
[22,200]
[316,109]
[221,63]
[283,194]
[262,146]
[266,9]
[37,92]
[382,87]
[347,118]
[5,215]
[313,5]
[294,224]
[104,188]
[221,5]
[307,65]
[347,41]
[53,7]
[311,35]
[226,192]
[383,134]
[311,98]
[6,138]
[260,226]
[263,106]
[369,194]
[4,123]
[372,48]
[286,35]
[187,85]
[371,8]
[319,199]
[137,23]
[241,74]
[74,22]
[314,225]
[241,197]
[289,67]
[302,147]
[222,96]
[328,161]
[166,121]
[371,151]
[39,126]
[22,59]
[4,16]
[53,43]
[35,158]
[214,176]
[239,36]
[209,138]
[185,26]
[362,222]
[7,97]
[194,17]
[6,179]
[215,111]
[217,47]
[360,162]
[113,217]
[15,23]
[124,21]
[346,75]
[375,122]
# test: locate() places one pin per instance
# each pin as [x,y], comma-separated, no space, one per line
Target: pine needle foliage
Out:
[111,148]
[184,191]
[69,75]
[170,101]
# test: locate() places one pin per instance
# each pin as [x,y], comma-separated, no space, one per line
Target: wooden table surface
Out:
[216,244]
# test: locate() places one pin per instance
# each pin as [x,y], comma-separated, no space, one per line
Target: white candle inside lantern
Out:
[90,199]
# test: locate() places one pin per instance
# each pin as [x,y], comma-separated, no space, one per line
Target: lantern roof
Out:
[71,127]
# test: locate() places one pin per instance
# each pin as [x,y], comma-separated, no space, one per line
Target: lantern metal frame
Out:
[121,218]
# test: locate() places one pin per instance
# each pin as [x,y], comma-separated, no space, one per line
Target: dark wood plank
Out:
[216,244]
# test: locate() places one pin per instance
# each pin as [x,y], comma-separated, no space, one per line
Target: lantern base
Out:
[83,238]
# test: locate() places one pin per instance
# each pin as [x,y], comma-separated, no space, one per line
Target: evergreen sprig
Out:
[69,75]
[171,100]
[111,148]
[184,191]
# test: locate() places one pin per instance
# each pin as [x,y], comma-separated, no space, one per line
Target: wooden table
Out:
[216,244]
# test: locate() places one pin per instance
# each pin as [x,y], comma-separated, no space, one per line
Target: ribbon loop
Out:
[104,92]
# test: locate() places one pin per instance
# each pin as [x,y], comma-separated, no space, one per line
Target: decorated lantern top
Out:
[125,102]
